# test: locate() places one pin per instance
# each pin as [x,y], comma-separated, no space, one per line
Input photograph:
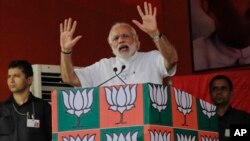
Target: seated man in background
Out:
[221,92]
[24,117]
[128,66]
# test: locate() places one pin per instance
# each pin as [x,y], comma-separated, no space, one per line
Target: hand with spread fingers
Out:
[149,23]
[125,44]
[67,30]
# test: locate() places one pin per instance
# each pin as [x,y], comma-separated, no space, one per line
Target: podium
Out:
[135,112]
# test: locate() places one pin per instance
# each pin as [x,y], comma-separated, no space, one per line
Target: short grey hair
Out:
[133,31]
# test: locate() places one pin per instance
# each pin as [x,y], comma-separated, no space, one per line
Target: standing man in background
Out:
[221,92]
[128,66]
[24,117]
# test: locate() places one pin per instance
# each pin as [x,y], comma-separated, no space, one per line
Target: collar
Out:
[229,109]
[12,100]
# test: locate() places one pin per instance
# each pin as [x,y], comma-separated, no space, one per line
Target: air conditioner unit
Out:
[46,78]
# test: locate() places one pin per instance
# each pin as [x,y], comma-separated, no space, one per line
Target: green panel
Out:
[89,120]
[204,123]
[151,114]
[123,132]
[185,133]
[54,137]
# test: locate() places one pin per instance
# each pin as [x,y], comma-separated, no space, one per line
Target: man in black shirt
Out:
[221,91]
[24,117]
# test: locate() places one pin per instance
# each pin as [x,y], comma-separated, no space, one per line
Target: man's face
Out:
[17,81]
[123,42]
[220,92]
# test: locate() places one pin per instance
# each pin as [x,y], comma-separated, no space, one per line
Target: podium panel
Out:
[136,112]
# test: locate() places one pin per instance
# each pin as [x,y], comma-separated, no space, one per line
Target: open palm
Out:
[149,24]
[66,35]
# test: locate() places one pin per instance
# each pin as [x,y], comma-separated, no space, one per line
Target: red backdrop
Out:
[30,30]
[197,85]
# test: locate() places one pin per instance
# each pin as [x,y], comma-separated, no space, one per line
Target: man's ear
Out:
[29,80]
[205,8]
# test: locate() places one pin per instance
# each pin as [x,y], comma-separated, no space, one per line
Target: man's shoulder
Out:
[239,112]
[241,116]
[40,100]
[6,106]
[107,59]
[101,62]
[8,101]
[105,62]
[151,52]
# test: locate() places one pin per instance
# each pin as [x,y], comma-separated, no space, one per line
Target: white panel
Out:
[46,78]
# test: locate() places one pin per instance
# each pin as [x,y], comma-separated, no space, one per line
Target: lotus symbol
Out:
[184,103]
[208,110]
[182,137]
[159,98]
[78,138]
[78,103]
[121,99]
[122,137]
[209,138]
[158,136]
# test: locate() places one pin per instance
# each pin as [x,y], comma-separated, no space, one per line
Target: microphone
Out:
[115,70]
[116,75]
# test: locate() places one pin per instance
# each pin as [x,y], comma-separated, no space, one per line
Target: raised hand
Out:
[149,23]
[67,30]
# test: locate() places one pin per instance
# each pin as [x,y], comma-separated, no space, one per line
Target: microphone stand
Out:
[116,75]
[115,70]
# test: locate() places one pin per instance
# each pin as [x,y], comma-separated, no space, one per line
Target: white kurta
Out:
[142,67]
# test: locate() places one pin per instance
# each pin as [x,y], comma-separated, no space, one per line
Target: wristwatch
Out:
[157,37]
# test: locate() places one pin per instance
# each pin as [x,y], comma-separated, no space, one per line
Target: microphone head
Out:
[123,67]
[115,69]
